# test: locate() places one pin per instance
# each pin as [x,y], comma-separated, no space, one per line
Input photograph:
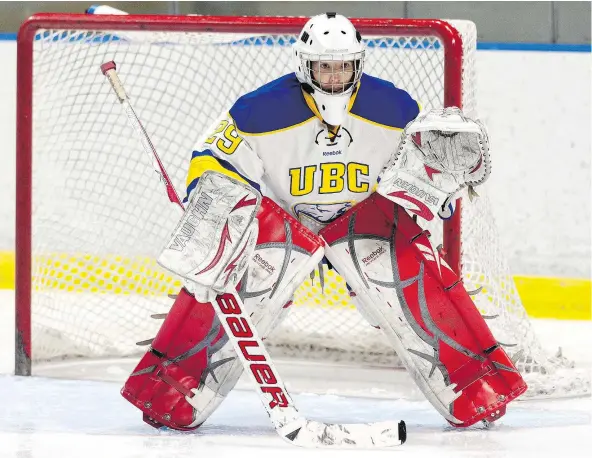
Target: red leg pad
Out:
[167,373]
[443,314]
[180,355]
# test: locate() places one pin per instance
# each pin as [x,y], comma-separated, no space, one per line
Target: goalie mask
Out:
[329,59]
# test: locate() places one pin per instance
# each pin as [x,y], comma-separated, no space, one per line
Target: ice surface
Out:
[47,417]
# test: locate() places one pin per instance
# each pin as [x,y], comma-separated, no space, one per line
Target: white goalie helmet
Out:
[329,60]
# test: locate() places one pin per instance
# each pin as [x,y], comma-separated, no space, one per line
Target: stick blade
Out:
[313,434]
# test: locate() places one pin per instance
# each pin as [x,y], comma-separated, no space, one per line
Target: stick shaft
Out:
[109,70]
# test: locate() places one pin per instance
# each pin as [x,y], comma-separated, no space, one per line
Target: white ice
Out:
[44,416]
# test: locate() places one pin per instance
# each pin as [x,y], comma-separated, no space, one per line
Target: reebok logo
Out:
[373,256]
[264,264]
[332,153]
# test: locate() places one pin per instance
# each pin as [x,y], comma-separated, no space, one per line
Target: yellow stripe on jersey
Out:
[384,126]
[311,104]
[250,134]
[554,298]
[201,164]
[352,99]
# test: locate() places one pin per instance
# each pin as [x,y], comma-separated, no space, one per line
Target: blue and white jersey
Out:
[274,139]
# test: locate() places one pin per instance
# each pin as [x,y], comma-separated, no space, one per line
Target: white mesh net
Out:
[99,217]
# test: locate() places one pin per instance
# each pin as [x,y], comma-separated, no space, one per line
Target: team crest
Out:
[321,213]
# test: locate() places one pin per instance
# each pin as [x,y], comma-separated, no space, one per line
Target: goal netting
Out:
[91,217]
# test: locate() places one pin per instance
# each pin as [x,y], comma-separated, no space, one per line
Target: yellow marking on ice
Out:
[564,298]
[113,274]
[557,298]
[6,270]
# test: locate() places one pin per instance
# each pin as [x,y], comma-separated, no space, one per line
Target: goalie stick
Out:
[287,421]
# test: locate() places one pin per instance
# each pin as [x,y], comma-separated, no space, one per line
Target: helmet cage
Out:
[307,61]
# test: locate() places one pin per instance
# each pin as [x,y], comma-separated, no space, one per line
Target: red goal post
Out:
[86,281]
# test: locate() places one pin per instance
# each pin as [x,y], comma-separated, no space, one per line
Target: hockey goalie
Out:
[326,164]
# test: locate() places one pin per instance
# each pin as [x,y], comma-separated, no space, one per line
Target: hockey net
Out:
[91,219]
